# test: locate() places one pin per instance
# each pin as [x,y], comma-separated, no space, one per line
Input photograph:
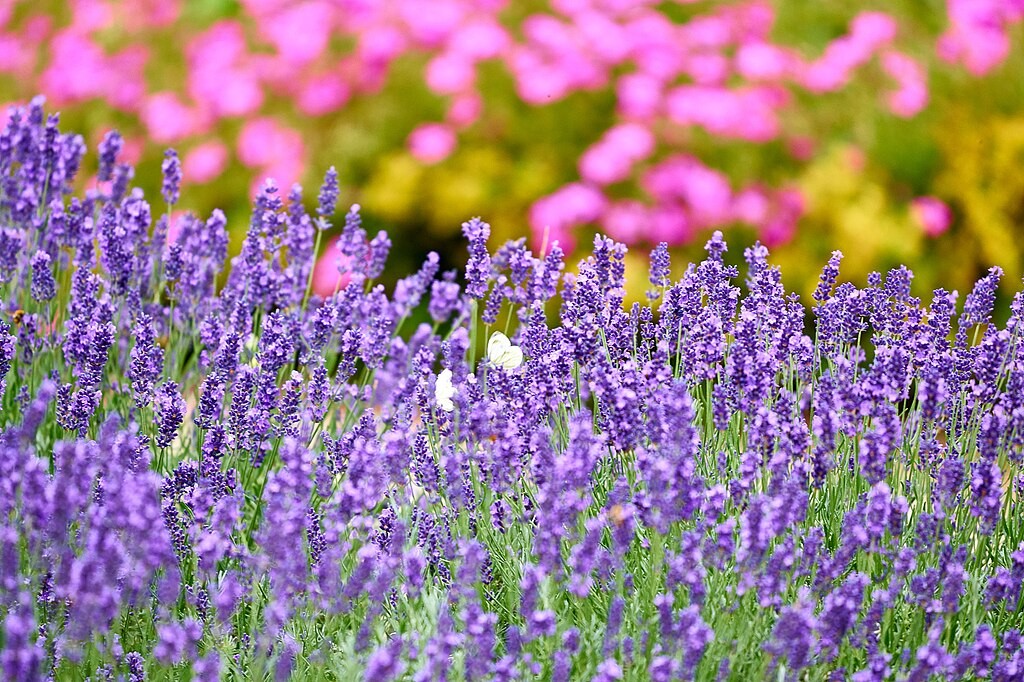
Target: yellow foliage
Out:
[984,181]
[848,209]
[393,191]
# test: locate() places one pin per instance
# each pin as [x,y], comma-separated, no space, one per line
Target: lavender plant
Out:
[242,481]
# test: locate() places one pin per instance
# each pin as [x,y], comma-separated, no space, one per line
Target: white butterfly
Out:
[502,353]
[444,391]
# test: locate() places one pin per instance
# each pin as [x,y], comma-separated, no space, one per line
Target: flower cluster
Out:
[206,471]
[672,76]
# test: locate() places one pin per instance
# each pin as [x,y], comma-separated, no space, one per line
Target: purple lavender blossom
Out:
[146,360]
[44,287]
[109,148]
[674,461]
[170,412]
[171,169]
[478,269]
[444,297]
[660,270]
[828,277]
[277,341]
[328,199]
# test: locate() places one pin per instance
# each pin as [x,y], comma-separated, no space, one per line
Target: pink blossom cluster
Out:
[717,74]
[977,36]
[720,73]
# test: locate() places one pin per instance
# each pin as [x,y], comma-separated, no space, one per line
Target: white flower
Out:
[502,353]
[444,391]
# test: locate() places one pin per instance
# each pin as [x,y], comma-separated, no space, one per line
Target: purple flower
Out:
[277,341]
[608,671]
[207,668]
[380,247]
[109,148]
[979,303]
[177,641]
[661,272]
[136,667]
[21,658]
[43,285]
[986,493]
[444,297]
[793,636]
[840,612]
[410,290]
[542,623]
[386,662]
[170,412]
[171,169]
[146,360]
[829,275]
[8,347]
[328,199]
[478,268]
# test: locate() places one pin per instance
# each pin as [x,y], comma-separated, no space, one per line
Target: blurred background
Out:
[892,130]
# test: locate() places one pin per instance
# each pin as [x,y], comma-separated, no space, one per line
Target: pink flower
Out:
[639,95]
[479,39]
[977,35]
[979,50]
[604,38]
[300,32]
[431,142]
[430,22]
[657,46]
[750,206]
[626,221]
[708,31]
[612,158]
[541,85]
[746,113]
[932,214]
[263,141]
[763,61]
[126,87]
[685,179]
[912,95]
[449,73]
[670,223]
[277,151]
[166,118]
[90,15]
[782,221]
[546,33]
[15,57]
[36,29]
[869,32]
[381,44]
[219,73]
[328,275]
[78,68]
[464,110]
[323,94]
[873,29]
[132,150]
[707,68]
[205,162]
[571,205]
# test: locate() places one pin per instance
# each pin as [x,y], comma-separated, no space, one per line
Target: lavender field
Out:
[208,472]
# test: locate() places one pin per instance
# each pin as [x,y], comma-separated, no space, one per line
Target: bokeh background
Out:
[892,130]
